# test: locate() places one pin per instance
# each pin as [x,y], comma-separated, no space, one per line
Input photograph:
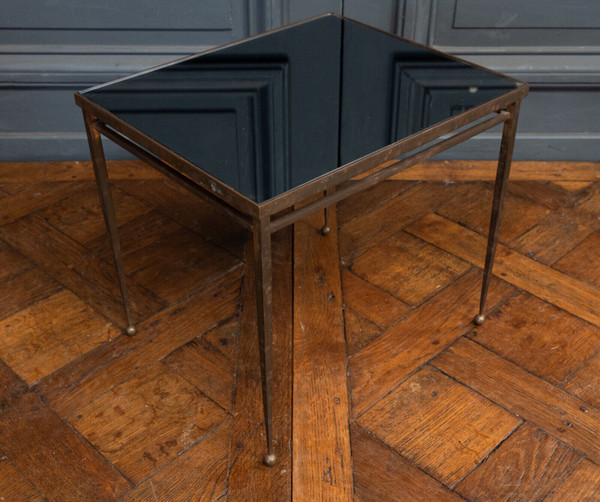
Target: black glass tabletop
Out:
[270,113]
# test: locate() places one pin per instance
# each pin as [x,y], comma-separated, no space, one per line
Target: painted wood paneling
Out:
[50,48]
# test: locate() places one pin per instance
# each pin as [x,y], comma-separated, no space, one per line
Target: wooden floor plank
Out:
[200,474]
[557,413]
[321,441]
[170,416]
[424,420]
[464,170]
[208,369]
[248,475]
[583,262]
[46,336]
[13,486]
[585,383]
[59,463]
[584,484]
[69,263]
[408,268]
[384,364]
[381,474]
[76,384]
[369,230]
[539,337]
[35,196]
[23,290]
[24,172]
[529,465]
[542,281]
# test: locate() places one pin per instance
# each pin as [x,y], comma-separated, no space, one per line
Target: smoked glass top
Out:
[270,113]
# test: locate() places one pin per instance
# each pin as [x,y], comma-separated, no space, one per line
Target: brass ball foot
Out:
[269,459]
[479,319]
[130,331]
[325,230]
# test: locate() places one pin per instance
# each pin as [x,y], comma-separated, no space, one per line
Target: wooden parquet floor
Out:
[385,390]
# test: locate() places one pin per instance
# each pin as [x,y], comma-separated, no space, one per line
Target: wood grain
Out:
[548,284]
[206,368]
[385,363]
[13,486]
[148,420]
[77,383]
[423,420]
[381,474]
[368,231]
[473,208]
[58,462]
[464,170]
[559,414]
[199,475]
[584,484]
[583,262]
[13,262]
[408,268]
[35,196]
[20,291]
[69,263]
[585,383]
[80,215]
[321,442]
[46,336]
[538,465]
[24,172]
[539,337]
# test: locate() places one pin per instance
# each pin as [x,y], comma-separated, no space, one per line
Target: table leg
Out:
[108,209]
[504,161]
[325,229]
[264,311]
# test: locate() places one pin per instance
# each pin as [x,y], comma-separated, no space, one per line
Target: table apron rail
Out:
[390,170]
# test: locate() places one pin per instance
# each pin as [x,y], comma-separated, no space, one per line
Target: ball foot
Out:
[479,319]
[131,330]
[325,230]
[269,459]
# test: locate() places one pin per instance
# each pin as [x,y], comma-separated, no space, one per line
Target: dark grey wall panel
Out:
[48,49]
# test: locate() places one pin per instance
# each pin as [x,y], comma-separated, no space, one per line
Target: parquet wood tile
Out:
[51,333]
[384,389]
[546,283]
[207,369]
[424,420]
[585,383]
[78,269]
[390,359]
[80,215]
[14,486]
[583,485]
[99,370]
[25,289]
[559,414]
[539,337]
[384,221]
[177,264]
[56,460]
[148,420]
[472,209]
[409,268]
[382,474]
[539,464]
[199,474]
[583,262]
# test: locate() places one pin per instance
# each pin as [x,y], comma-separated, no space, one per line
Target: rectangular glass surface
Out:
[270,113]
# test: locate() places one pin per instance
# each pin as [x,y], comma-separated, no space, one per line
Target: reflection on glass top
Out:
[270,113]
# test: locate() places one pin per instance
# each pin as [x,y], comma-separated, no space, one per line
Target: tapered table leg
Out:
[325,229]
[264,311]
[108,209]
[504,161]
